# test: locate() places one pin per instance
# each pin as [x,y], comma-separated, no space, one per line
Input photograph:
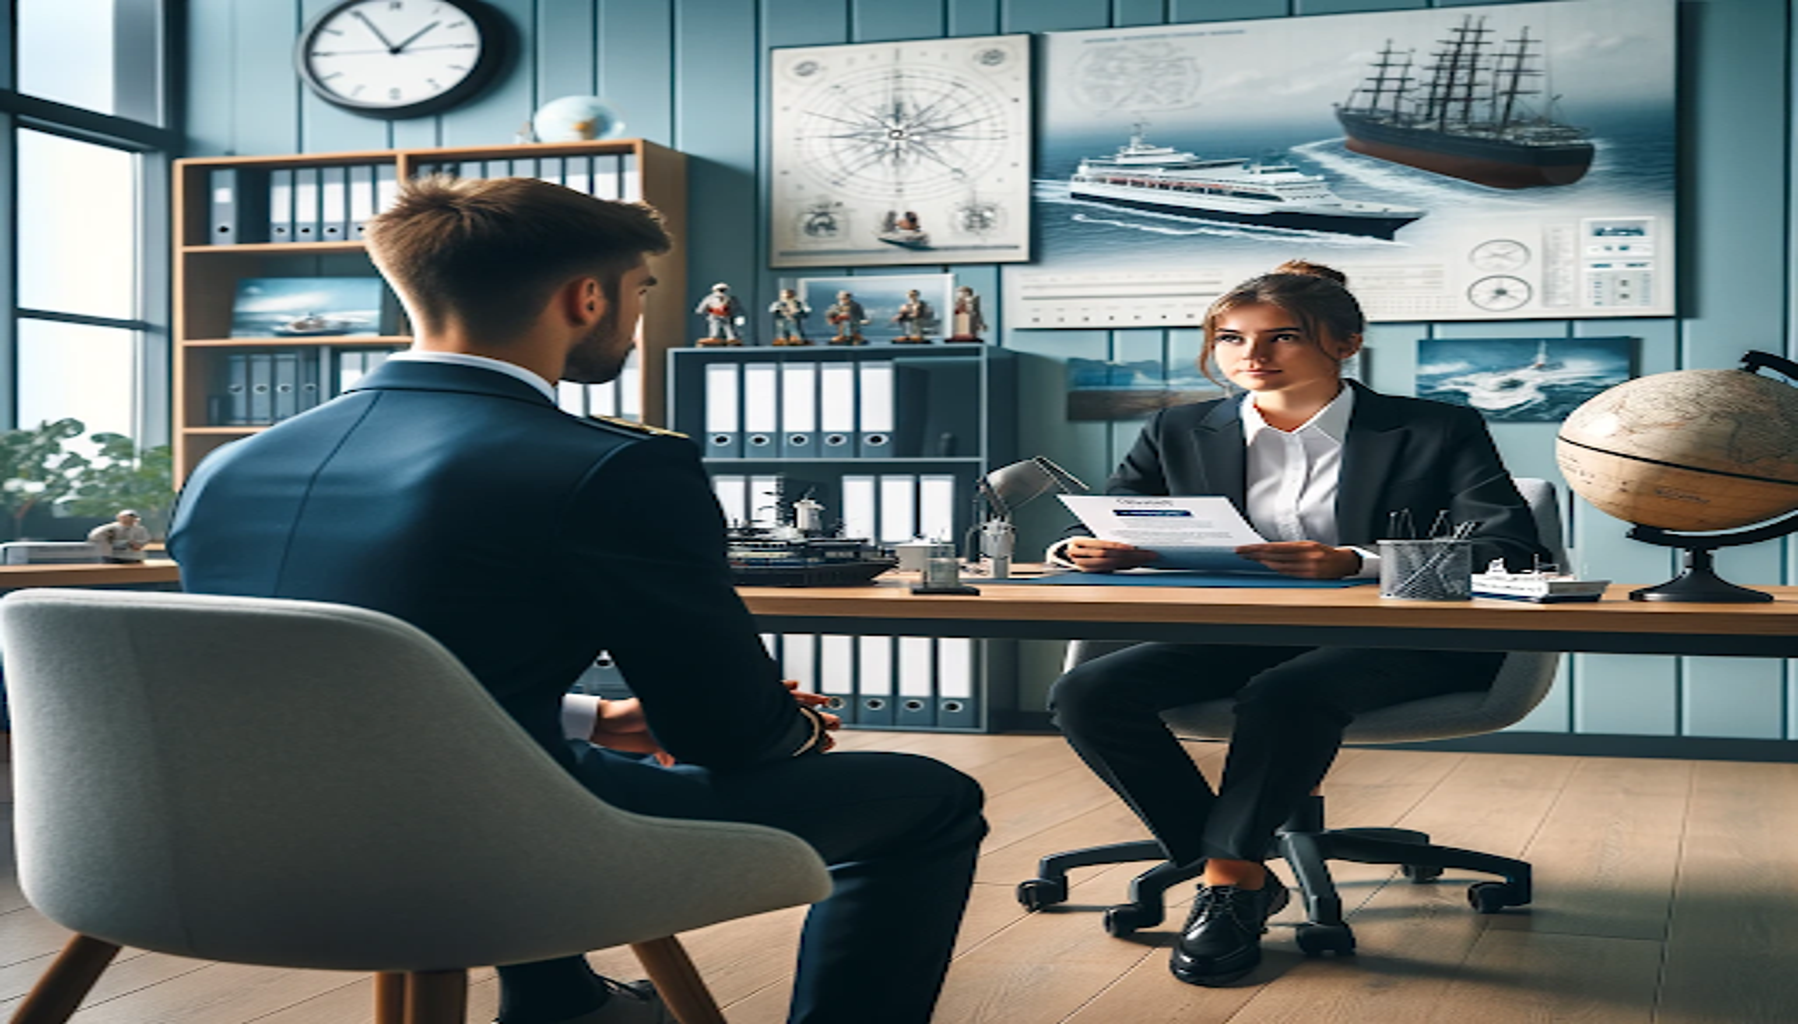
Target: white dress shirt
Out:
[1291,478]
[580,712]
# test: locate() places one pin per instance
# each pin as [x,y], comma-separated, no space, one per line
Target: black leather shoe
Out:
[1222,939]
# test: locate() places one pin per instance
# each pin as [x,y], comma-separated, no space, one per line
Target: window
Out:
[83,115]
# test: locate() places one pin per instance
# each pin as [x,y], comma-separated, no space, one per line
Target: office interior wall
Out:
[688,73]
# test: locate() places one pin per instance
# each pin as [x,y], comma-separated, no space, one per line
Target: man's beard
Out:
[600,355]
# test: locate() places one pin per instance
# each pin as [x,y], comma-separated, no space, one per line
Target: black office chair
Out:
[1303,841]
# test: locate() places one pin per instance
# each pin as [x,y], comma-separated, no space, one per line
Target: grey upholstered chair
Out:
[1303,841]
[309,785]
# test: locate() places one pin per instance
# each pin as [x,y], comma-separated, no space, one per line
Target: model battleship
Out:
[1468,119]
[1542,585]
[1165,180]
[790,556]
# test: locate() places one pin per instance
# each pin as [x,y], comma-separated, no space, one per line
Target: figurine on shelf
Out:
[790,312]
[121,540]
[723,315]
[968,322]
[912,315]
[848,317]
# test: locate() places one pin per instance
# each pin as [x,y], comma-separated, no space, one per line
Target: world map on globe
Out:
[1692,450]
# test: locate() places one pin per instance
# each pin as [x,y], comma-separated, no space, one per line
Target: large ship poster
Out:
[1512,161]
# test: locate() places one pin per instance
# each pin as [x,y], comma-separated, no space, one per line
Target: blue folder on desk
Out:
[1173,578]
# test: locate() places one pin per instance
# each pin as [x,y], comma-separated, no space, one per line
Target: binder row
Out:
[888,508]
[608,176]
[620,398]
[805,410]
[876,681]
[259,388]
[297,204]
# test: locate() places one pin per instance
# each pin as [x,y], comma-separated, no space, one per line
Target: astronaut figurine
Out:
[848,317]
[789,318]
[967,319]
[913,313]
[723,315]
[121,540]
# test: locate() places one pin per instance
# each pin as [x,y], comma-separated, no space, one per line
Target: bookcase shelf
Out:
[207,274]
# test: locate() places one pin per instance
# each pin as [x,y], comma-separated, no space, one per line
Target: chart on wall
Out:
[889,154]
[1495,162]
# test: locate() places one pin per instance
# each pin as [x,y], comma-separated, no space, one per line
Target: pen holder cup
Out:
[1426,570]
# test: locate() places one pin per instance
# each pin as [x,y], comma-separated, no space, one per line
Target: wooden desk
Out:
[1353,616]
[13,577]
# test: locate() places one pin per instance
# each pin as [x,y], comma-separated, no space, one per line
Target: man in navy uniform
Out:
[570,536]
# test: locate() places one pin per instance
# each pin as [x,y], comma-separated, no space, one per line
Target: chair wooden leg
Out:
[678,981]
[59,992]
[436,997]
[390,998]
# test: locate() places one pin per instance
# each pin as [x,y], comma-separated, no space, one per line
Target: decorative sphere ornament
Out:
[1696,451]
[576,119]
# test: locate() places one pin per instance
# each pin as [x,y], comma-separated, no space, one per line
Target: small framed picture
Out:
[311,307]
[1522,380]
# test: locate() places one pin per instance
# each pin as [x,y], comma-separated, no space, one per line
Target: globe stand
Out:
[1698,581]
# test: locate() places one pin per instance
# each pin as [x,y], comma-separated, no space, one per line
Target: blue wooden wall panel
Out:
[1225,10]
[495,117]
[1127,13]
[636,65]
[875,21]
[212,86]
[717,52]
[1392,355]
[1738,697]
[1638,696]
[1055,15]
[973,17]
[265,110]
[1310,7]
[566,61]
[325,128]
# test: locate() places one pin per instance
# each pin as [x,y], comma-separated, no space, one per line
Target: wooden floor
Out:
[1666,891]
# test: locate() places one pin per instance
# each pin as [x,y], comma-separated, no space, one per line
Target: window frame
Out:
[155,146]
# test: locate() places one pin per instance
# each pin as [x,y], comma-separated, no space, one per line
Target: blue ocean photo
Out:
[1521,380]
[307,307]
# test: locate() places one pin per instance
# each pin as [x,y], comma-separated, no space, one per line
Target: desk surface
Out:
[12,577]
[1355,616]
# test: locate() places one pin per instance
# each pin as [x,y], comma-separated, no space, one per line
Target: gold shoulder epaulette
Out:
[634,427]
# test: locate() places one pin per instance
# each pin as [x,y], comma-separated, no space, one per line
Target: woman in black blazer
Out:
[1318,465]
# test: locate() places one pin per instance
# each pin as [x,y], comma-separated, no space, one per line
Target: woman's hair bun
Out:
[1312,270]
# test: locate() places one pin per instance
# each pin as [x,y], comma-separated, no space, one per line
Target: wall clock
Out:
[400,58]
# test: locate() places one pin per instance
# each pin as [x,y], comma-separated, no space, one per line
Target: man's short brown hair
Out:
[491,252]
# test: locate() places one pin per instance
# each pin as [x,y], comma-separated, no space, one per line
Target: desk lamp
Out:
[1011,487]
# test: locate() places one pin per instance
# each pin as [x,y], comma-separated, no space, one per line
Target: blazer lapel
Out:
[1376,436]
[1222,455]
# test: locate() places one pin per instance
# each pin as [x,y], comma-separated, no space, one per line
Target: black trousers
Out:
[1292,704]
[900,834]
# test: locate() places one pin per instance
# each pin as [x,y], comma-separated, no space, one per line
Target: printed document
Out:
[1188,533]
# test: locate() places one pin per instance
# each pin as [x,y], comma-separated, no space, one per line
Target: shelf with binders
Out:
[285,218]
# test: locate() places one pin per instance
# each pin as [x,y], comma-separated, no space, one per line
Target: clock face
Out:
[398,58]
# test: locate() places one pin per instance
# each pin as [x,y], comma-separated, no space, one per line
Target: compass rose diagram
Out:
[902,133]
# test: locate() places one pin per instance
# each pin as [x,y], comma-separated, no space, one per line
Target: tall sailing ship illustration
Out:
[1165,180]
[1467,119]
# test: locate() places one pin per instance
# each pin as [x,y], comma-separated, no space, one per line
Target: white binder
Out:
[732,490]
[764,499]
[874,680]
[917,683]
[858,507]
[572,398]
[798,410]
[630,389]
[957,707]
[602,399]
[577,173]
[875,415]
[836,410]
[761,410]
[722,421]
[799,660]
[936,506]
[836,674]
[898,496]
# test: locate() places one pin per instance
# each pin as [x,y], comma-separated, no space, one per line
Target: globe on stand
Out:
[576,119]
[1694,459]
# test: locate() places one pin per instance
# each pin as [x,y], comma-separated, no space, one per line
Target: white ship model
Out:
[1166,180]
[1542,585]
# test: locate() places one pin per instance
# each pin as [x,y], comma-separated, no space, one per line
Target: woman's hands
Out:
[1306,559]
[1090,554]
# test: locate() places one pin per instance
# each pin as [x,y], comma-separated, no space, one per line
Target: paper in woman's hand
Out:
[1187,532]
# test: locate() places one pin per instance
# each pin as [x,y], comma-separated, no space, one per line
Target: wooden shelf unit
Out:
[206,276]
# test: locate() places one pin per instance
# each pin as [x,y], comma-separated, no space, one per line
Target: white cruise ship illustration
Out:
[1166,180]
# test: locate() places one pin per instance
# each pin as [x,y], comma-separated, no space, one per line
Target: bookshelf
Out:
[206,274]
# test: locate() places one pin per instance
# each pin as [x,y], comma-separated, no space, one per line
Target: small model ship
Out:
[802,554]
[1542,585]
[312,323]
[1466,121]
[1164,180]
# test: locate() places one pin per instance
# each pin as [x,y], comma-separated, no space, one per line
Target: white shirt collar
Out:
[545,388]
[1332,420]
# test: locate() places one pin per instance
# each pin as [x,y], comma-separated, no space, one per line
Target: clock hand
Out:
[382,36]
[414,36]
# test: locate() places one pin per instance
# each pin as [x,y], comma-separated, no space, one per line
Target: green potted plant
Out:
[122,476]
[35,471]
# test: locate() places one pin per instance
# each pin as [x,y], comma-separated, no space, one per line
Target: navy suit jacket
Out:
[523,539]
[1400,453]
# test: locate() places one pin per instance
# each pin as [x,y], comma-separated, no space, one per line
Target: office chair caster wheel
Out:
[1125,918]
[1492,897]
[1318,939]
[1421,873]
[1037,893]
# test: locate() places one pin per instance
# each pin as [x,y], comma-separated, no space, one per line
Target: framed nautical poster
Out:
[1498,162]
[1522,380]
[891,154]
